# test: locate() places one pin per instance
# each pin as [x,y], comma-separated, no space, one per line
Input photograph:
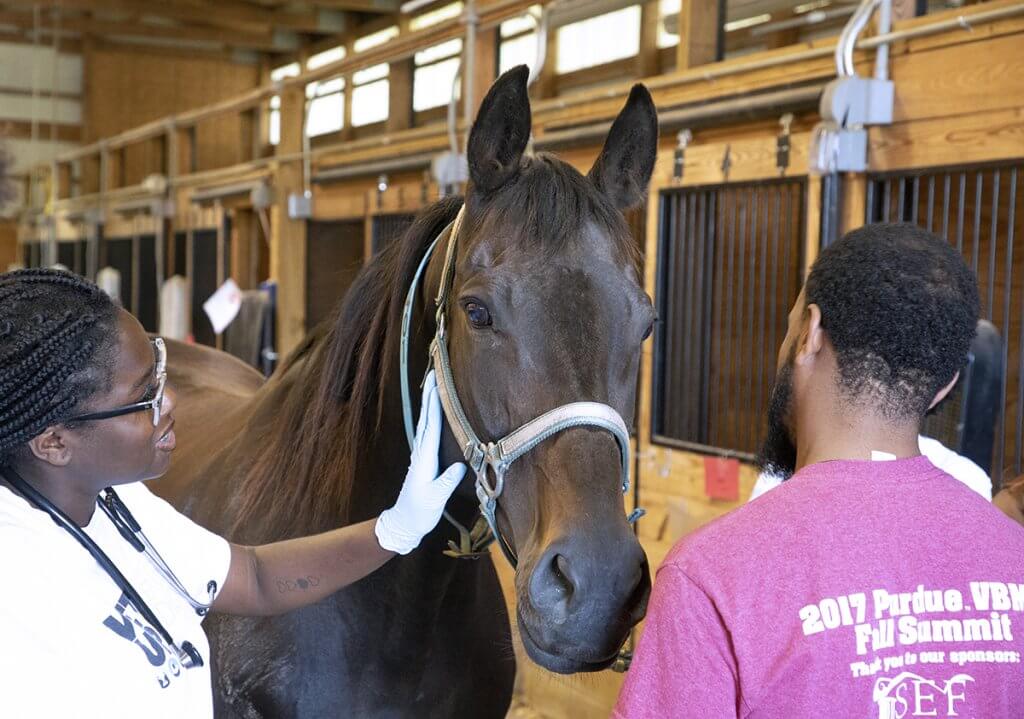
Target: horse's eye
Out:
[478,315]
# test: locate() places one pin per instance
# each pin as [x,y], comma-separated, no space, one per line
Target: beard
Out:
[778,452]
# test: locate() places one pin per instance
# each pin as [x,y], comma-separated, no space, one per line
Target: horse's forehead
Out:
[508,248]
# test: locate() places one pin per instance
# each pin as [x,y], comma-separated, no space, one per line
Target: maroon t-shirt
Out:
[856,589]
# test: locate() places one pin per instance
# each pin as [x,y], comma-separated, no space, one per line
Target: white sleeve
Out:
[956,465]
[764,483]
[195,554]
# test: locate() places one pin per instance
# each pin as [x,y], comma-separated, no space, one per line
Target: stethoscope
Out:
[130,529]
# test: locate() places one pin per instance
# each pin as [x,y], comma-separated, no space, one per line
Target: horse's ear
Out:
[624,167]
[501,132]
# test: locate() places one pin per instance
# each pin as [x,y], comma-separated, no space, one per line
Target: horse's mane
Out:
[301,478]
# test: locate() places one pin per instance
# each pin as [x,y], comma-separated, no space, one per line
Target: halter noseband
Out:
[492,458]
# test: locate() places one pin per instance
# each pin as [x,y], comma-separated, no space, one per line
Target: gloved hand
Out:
[424,495]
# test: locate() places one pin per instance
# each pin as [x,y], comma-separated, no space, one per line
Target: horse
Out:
[547,308]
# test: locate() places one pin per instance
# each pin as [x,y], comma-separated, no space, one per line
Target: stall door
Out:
[204,283]
[117,253]
[334,256]
[388,228]
[147,290]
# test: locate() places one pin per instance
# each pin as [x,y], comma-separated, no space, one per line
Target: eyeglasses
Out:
[150,405]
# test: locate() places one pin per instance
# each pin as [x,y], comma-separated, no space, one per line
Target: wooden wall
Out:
[126,87]
[8,243]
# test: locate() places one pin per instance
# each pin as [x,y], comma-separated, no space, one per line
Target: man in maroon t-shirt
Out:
[870,584]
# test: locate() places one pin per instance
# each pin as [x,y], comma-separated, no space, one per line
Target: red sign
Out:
[722,478]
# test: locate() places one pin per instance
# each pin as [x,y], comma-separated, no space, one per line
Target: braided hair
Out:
[58,336]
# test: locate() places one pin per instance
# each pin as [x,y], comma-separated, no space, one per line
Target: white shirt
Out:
[69,645]
[953,464]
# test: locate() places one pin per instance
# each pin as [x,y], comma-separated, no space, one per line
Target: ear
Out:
[624,167]
[51,447]
[501,132]
[941,395]
[812,336]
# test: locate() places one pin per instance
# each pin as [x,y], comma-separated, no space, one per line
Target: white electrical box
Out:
[300,207]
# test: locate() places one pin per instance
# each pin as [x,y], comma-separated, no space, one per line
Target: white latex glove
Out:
[424,494]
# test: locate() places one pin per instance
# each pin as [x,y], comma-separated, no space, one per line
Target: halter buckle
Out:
[491,459]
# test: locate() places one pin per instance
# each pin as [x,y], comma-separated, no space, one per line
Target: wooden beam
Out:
[232,38]
[22,130]
[224,13]
[699,24]
[27,92]
[546,82]
[399,95]
[854,201]
[380,6]
[485,64]
[288,236]
[647,58]
[904,9]
[243,250]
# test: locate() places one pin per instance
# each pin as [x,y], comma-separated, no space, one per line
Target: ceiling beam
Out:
[277,42]
[223,13]
[381,6]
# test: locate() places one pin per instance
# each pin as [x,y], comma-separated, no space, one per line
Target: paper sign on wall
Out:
[722,478]
[223,306]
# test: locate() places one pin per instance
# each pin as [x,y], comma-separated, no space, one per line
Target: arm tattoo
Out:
[300,584]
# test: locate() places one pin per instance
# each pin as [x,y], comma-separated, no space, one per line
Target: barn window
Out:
[447,12]
[374,39]
[326,106]
[274,114]
[518,42]
[599,40]
[667,8]
[370,91]
[334,54]
[436,68]
[729,259]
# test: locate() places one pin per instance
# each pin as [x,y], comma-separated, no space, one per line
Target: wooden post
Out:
[247,134]
[485,65]
[243,229]
[904,9]
[854,202]
[546,84]
[812,236]
[400,95]
[699,23]
[647,58]
[288,236]
[63,188]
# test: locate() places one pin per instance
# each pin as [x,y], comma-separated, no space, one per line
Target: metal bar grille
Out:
[978,209]
[388,228]
[728,272]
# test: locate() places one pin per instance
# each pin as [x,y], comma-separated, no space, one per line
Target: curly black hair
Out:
[900,306]
[58,337]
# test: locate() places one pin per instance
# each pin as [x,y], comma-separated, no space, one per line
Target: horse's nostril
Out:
[552,586]
[560,572]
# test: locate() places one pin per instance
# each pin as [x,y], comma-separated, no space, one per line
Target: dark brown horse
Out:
[547,309]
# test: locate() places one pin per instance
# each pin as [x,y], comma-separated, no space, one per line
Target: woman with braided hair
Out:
[98,619]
